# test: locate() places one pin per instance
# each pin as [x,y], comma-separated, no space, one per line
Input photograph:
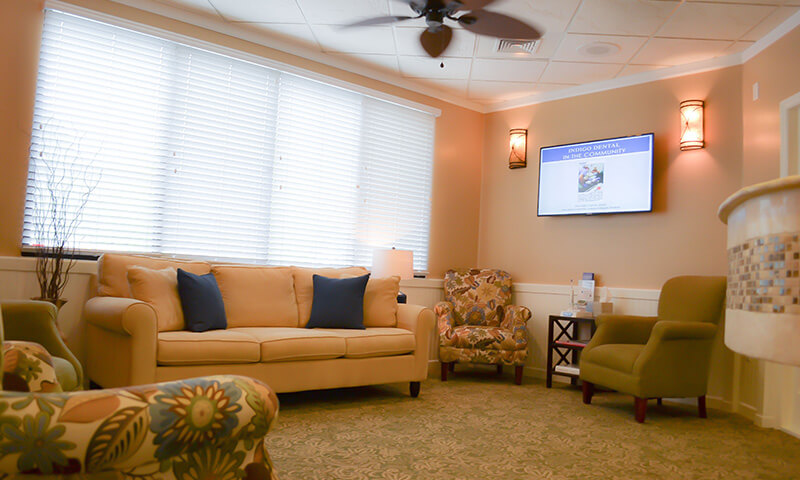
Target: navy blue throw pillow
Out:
[338,302]
[201,301]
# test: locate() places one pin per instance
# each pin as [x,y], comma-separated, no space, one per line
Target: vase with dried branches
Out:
[62,179]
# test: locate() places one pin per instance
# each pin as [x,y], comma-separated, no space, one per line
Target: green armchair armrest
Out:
[666,330]
[630,329]
[211,426]
[35,321]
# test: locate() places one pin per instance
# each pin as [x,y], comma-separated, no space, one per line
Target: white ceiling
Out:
[648,35]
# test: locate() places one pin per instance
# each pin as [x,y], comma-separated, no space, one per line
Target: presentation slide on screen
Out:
[605,176]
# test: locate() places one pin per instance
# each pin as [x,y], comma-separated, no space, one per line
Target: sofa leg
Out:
[640,405]
[588,392]
[518,374]
[413,388]
[452,366]
[444,371]
[500,369]
[659,401]
[701,406]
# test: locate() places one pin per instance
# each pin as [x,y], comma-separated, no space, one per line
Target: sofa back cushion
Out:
[304,286]
[159,288]
[112,271]
[256,296]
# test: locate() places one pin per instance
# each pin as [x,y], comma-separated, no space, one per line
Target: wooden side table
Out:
[565,343]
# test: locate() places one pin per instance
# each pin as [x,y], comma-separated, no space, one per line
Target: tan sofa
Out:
[267,309]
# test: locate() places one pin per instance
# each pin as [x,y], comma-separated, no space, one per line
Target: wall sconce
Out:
[518,138]
[692,124]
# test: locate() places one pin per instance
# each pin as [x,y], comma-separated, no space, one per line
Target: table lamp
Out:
[393,262]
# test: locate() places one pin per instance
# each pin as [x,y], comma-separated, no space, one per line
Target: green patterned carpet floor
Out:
[479,426]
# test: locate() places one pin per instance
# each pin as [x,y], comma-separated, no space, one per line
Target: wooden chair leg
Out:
[414,389]
[701,406]
[588,392]
[640,405]
[444,371]
[518,374]
[500,369]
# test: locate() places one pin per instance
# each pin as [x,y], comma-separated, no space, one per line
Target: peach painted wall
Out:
[681,236]
[777,71]
[457,156]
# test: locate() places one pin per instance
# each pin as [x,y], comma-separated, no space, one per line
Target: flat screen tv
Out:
[614,175]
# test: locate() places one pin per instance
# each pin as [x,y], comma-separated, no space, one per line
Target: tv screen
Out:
[602,176]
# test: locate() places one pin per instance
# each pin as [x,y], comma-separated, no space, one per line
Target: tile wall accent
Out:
[764,274]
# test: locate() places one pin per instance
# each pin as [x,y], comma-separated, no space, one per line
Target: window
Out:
[161,147]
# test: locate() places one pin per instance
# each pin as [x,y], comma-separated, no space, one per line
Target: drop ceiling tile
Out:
[381,62]
[455,87]
[507,70]
[772,21]
[202,6]
[621,17]
[297,33]
[546,15]
[713,21]
[738,47]
[426,67]
[626,47]
[264,11]
[400,7]
[329,12]
[369,40]
[487,47]
[572,72]
[633,69]
[676,51]
[499,91]
[462,44]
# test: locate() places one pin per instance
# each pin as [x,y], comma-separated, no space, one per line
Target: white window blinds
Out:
[171,149]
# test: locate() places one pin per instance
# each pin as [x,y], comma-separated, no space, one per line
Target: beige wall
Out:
[681,236]
[777,71]
[457,156]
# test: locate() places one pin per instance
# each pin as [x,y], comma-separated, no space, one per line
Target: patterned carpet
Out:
[477,426]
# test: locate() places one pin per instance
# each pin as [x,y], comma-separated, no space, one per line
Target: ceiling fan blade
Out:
[475,4]
[435,43]
[484,22]
[379,21]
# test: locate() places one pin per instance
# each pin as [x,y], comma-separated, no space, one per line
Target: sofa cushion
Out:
[112,271]
[257,296]
[338,302]
[304,286]
[289,344]
[614,356]
[380,302]
[202,304]
[376,342]
[159,288]
[207,348]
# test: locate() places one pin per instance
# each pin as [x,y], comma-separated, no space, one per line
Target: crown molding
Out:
[260,37]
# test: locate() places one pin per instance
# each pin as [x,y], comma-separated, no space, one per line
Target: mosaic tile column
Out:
[762,316]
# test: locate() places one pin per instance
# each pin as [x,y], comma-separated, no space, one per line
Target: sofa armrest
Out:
[125,316]
[143,431]
[419,320]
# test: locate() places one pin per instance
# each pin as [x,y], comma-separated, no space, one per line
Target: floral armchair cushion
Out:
[211,427]
[478,295]
[28,367]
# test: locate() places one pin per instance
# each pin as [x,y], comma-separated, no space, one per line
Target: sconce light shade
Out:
[393,262]
[518,138]
[692,125]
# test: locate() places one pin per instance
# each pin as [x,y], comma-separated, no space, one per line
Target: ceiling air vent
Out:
[508,45]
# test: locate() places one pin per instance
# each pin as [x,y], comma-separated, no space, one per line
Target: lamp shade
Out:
[518,144]
[692,125]
[393,262]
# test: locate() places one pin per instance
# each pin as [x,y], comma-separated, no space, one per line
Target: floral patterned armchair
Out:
[478,324]
[210,427]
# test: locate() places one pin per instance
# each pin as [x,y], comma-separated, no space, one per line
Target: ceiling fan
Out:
[468,13]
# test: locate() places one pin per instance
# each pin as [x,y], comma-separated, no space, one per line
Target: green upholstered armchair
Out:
[663,356]
[34,321]
[210,427]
